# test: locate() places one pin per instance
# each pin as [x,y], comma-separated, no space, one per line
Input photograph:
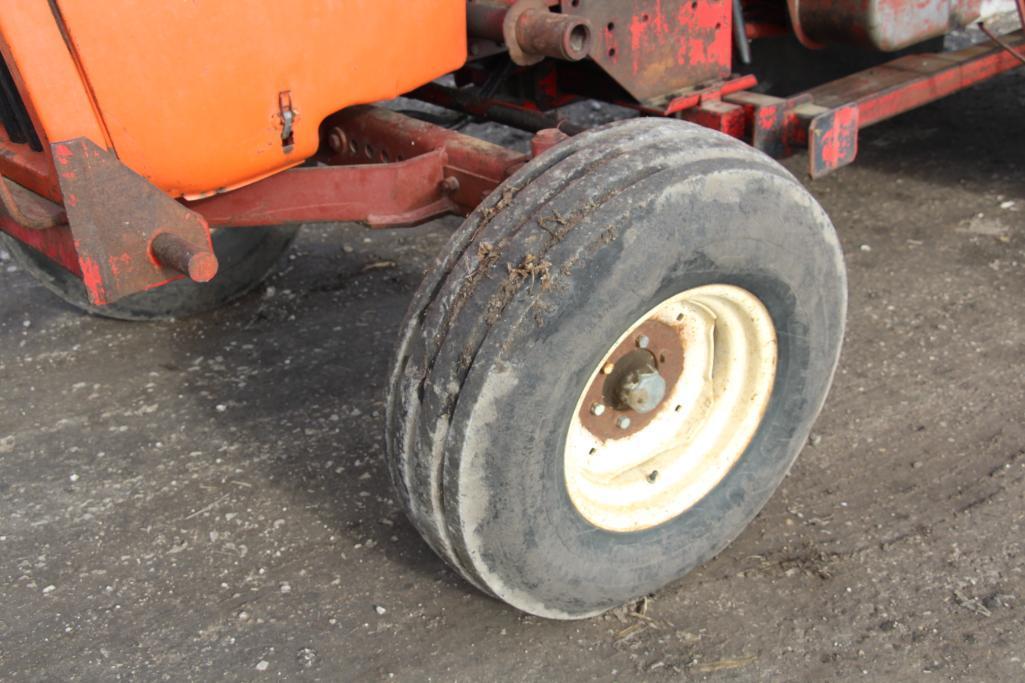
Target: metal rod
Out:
[740,32]
[1001,42]
[173,252]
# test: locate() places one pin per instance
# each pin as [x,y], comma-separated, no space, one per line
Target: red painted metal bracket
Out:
[114,214]
[380,195]
[384,169]
[473,167]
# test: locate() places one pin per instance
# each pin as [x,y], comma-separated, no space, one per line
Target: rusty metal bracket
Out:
[379,135]
[381,195]
[114,214]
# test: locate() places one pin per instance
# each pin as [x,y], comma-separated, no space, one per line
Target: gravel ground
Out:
[208,499]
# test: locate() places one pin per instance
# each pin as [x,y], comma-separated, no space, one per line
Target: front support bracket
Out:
[114,214]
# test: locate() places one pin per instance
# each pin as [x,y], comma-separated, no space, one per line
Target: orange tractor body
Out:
[195,96]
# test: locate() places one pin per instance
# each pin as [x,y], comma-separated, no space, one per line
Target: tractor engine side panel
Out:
[195,95]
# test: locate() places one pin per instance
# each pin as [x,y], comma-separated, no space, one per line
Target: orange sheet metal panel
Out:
[56,98]
[189,89]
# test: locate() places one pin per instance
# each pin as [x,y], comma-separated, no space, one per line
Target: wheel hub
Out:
[671,408]
[632,381]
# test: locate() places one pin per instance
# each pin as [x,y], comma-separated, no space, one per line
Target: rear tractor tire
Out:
[613,365]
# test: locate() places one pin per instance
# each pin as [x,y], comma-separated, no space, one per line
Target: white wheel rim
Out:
[699,430]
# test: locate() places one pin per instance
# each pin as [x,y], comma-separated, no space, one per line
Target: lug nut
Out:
[642,342]
[623,422]
[609,367]
[597,409]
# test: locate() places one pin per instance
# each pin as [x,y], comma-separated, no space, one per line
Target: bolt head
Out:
[609,367]
[643,341]
[623,422]
[597,409]
[450,185]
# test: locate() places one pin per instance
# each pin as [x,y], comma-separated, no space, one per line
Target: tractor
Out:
[615,360]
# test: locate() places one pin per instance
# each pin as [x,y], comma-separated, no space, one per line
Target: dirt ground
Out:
[207,499]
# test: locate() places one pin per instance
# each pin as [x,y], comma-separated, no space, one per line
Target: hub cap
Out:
[671,408]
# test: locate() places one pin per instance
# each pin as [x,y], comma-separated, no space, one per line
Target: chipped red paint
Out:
[62,153]
[832,139]
[92,278]
[707,33]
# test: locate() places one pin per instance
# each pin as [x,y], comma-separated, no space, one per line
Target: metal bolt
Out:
[597,409]
[609,367]
[642,342]
[336,140]
[450,185]
[623,422]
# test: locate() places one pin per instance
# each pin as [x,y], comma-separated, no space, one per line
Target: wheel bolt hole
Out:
[677,409]
[661,358]
[652,476]
[592,451]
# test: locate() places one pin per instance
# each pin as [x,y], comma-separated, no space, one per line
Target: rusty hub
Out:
[652,343]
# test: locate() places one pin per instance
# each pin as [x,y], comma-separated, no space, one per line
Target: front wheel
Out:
[614,364]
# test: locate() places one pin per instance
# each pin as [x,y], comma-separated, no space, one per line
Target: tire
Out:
[245,257]
[524,304]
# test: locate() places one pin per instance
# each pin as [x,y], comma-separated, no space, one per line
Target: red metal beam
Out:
[380,195]
[909,82]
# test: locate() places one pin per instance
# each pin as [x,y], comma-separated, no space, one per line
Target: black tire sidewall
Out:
[746,227]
